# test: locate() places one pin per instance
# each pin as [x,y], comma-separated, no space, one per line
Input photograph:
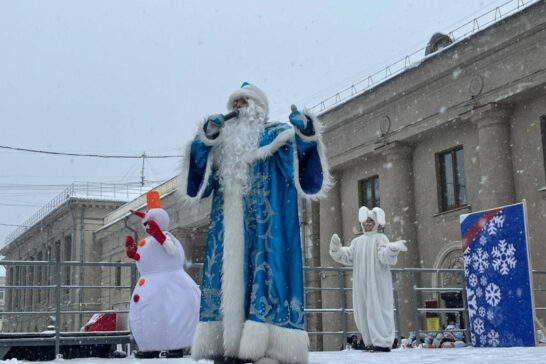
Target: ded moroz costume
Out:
[252,301]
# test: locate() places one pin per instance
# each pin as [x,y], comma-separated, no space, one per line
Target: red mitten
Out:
[130,247]
[154,230]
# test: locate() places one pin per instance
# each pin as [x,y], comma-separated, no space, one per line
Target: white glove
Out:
[398,246]
[335,243]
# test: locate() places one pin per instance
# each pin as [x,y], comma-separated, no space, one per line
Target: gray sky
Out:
[127,77]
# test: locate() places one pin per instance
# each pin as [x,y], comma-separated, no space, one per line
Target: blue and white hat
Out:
[251,92]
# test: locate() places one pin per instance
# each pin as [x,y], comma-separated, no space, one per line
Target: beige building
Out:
[463,130]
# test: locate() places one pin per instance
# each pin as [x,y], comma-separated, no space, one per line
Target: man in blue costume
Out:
[252,289]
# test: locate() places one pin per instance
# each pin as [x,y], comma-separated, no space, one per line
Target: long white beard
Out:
[240,136]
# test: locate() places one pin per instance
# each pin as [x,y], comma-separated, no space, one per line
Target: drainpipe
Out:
[72,242]
[82,259]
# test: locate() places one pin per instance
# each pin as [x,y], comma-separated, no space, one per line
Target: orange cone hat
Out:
[153,201]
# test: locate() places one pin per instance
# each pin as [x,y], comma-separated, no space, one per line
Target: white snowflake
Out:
[491,229]
[483,280]
[498,220]
[472,304]
[479,327]
[483,338]
[481,311]
[479,292]
[473,339]
[493,338]
[503,257]
[479,260]
[473,280]
[492,294]
[490,315]
[483,240]
[493,226]
[467,258]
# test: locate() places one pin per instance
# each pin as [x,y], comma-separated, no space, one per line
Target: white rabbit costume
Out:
[371,255]
[164,308]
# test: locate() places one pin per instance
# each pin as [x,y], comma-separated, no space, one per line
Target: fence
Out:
[60,338]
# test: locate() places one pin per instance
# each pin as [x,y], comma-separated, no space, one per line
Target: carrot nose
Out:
[138,213]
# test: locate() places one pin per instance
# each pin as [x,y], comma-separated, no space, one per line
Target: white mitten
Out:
[398,246]
[335,243]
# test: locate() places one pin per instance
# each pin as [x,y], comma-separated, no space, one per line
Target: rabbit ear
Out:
[380,214]
[363,214]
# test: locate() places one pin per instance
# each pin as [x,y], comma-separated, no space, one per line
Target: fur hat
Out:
[252,92]
[376,214]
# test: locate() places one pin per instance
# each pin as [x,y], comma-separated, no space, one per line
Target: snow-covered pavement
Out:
[467,355]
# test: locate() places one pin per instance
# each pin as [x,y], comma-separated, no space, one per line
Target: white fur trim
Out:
[252,92]
[184,175]
[169,245]
[270,149]
[289,346]
[203,136]
[254,340]
[233,289]
[207,341]
[327,180]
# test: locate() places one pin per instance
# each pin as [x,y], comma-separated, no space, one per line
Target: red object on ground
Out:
[101,322]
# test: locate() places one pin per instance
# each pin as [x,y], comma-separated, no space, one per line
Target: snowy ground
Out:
[467,355]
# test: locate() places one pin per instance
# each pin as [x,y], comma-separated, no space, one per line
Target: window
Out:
[368,192]
[452,179]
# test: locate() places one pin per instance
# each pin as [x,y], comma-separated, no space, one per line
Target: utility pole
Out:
[142,171]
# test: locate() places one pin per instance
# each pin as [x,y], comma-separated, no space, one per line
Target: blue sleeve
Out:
[310,171]
[200,175]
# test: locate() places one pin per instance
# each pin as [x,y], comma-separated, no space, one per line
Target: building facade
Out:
[462,131]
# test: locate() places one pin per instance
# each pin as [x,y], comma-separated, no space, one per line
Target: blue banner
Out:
[497,277]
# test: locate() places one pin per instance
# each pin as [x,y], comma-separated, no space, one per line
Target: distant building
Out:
[462,131]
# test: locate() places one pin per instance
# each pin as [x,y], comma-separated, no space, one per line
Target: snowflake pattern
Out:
[483,240]
[472,302]
[473,280]
[493,338]
[481,311]
[479,292]
[503,257]
[492,294]
[490,315]
[479,327]
[483,339]
[493,226]
[480,260]
[483,281]
[467,258]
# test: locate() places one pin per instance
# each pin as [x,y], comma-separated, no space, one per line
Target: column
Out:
[494,156]
[398,201]
[330,223]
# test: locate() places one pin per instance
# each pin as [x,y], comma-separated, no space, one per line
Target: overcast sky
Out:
[127,77]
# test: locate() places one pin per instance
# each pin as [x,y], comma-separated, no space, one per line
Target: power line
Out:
[143,155]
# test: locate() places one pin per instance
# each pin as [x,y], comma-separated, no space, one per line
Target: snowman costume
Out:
[371,255]
[164,308]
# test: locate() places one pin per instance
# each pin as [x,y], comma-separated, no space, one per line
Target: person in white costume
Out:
[164,308]
[371,256]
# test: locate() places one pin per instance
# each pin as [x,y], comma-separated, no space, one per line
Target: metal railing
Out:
[123,337]
[413,59]
[94,190]
[59,338]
